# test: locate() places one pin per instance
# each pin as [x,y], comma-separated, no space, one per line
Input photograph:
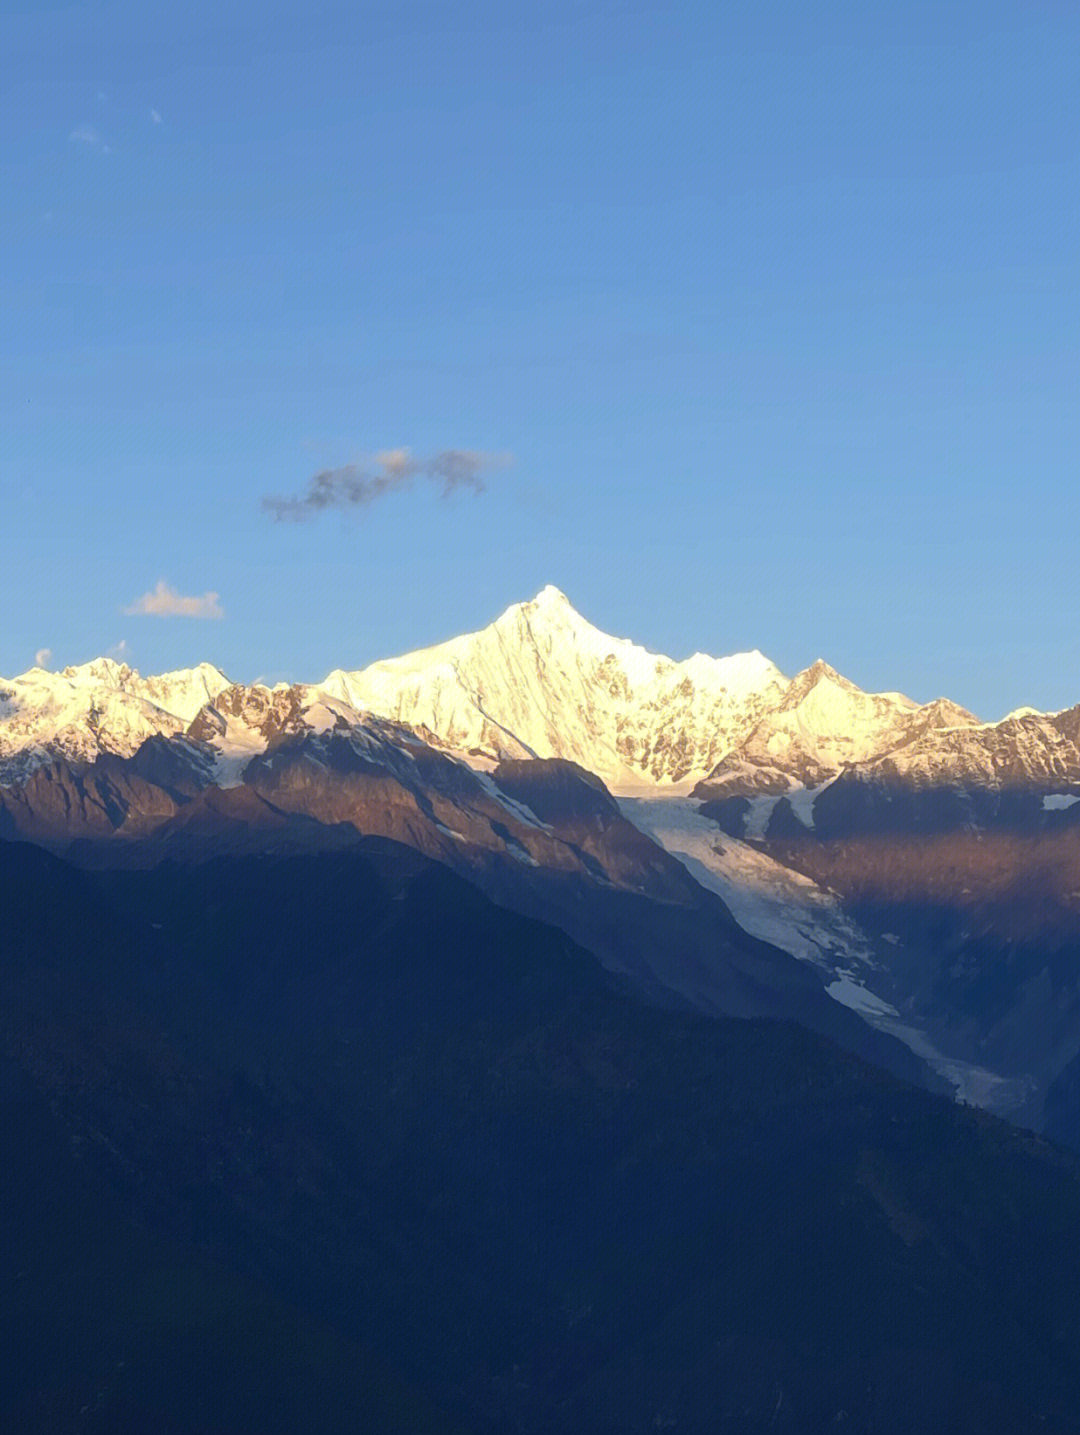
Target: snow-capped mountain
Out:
[99,707]
[822,724]
[936,768]
[542,682]
[538,682]
[1027,750]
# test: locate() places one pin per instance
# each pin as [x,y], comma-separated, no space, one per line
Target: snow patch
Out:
[851,993]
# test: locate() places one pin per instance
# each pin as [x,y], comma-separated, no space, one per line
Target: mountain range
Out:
[542,682]
[538,682]
[922,865]
[607,1021]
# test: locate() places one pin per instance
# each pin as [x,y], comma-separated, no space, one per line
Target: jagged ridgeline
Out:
[543,682]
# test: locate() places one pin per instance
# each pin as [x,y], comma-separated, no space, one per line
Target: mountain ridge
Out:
[540,681]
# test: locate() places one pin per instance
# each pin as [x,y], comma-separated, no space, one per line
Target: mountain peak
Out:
[820,670]
[107,671]
[541,680]
[818,674]
[551,607]
[549,596]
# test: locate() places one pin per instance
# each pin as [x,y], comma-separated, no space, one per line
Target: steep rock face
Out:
[242,723]
[60,802]
[542,682]
[257,716]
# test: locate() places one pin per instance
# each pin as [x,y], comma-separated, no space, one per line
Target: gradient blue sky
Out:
[774,303]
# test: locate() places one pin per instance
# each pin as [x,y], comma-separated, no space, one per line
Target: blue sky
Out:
[775,306]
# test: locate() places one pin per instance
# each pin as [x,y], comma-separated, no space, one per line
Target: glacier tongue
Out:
[766,899]
[792,912]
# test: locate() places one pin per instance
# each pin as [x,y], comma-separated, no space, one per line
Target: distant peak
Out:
[820,671]
[550,608]
[819,674]
[98,670]
[1025,712]
[550,596]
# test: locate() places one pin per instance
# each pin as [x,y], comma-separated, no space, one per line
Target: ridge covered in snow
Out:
[822,725]
[99,707]
[542,681]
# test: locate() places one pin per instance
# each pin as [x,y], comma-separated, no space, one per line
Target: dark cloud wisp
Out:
[357,485]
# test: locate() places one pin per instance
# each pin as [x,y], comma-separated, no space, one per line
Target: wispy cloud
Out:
[155,117]
[43,657]
[89,138]
[118,651]
[165,602]
[358,485]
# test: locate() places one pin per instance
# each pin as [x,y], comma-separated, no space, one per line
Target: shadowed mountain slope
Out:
[345,1103]
[576,862]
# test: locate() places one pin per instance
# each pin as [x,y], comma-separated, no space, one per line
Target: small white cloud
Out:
[43,657]
[165,602]
[155,117]
[89,138]
[118,651]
